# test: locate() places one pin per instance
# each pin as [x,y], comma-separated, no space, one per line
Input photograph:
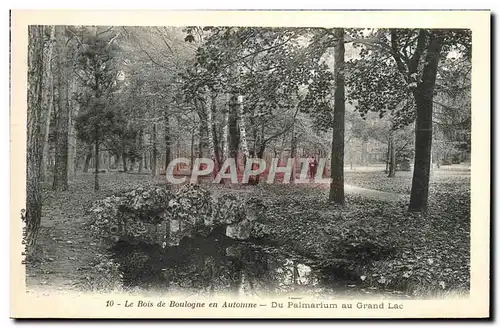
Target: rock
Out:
[156,215]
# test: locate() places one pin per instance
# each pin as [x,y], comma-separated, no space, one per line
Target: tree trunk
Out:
[124,160]
[243,133]
[364,140]
[168,146]
[49,98]
[96,161]
[210,130]
[192,151]
[34,121]
[140,142]
[225,130]
[87,162]
[337,160]
[388,156]
[119,162]
[61,153]
[202,128]
[72,138]
[154,153]
[233,137]
[293,152]
[392,156]
[423,127]
[146,158]
[215,134]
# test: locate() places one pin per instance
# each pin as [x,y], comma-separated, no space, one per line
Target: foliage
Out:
[375,85]
[376,243]
[97,68]
[388,72]
[122,139]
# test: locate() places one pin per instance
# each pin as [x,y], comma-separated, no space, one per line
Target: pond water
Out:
[218,264]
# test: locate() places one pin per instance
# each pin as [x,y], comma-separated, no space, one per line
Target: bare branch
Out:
[76,36]
[264,142]
[165,41]
[113,39]
[106,31]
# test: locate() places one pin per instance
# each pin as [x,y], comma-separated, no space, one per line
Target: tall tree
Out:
[403,69]
[48,100]
[392,154]
[337,159]
[60,181]
[430,42]
[97,68]
[34,122]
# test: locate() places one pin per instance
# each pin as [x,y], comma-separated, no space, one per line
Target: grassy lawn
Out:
[377,179]
[371,243]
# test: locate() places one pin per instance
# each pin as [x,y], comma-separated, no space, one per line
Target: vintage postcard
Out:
[250,164]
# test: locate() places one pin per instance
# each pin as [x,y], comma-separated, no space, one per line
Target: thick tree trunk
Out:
[423,127]
[392,156]
[34,121]
[61,154]
[337,160]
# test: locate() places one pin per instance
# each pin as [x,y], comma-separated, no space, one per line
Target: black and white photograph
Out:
[250,168]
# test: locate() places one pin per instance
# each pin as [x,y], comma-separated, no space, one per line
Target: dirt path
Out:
[372,193]
[68,249]
[366,192]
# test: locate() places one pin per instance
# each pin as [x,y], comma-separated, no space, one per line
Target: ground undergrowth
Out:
[371,243]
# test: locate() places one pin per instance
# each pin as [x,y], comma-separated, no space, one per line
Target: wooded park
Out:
[384,115]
